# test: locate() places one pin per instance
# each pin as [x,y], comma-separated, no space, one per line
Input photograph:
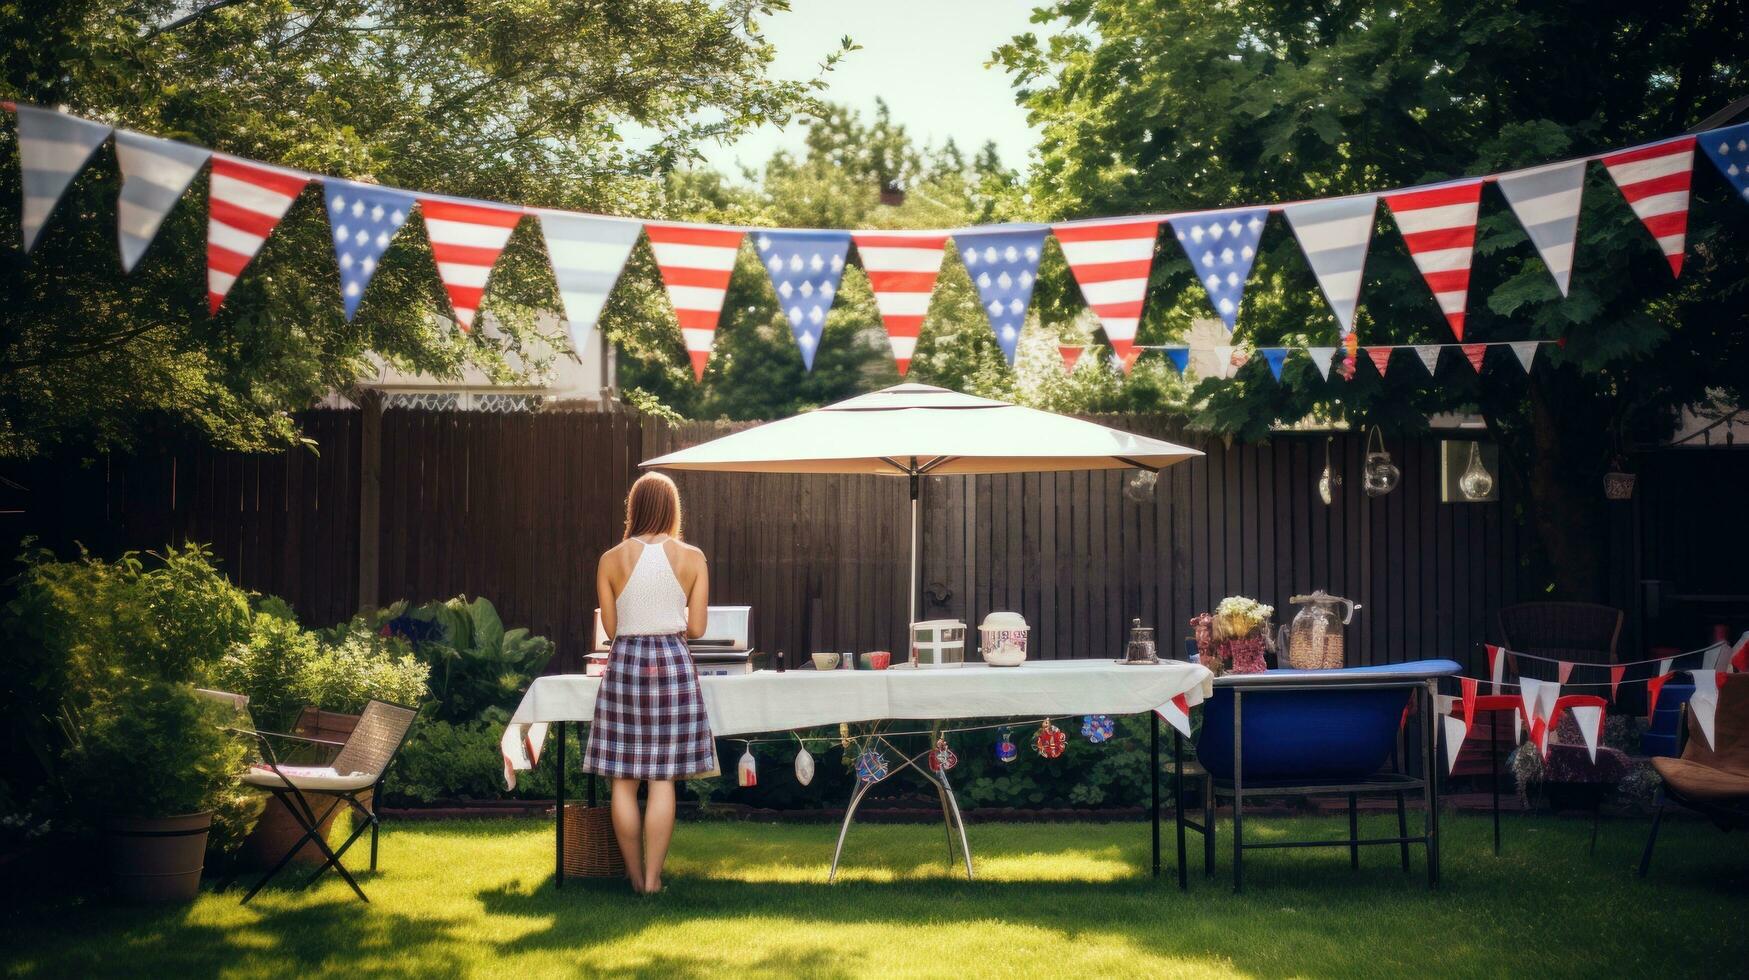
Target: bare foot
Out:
[653,886]
[637,886]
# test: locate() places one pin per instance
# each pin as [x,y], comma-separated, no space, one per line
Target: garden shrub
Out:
[151,749]
[284,668]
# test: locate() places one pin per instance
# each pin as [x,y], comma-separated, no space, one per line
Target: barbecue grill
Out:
[725,648]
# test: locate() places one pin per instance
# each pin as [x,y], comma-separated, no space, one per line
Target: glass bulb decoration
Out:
[1140,486]
[1329,481]
[1379,473]
[1477,482]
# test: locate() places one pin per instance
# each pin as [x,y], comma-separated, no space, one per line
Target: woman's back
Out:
[652,601]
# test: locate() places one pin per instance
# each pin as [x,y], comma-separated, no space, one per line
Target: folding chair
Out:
[360,766]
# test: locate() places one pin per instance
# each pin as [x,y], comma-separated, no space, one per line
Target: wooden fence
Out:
[425,505]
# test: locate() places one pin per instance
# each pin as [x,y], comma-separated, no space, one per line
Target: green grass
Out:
[744,899]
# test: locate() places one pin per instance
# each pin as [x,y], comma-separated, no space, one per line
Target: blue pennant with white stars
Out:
[805,268]
[1728,149]
[1003,264]
[364,219]
[1221,246]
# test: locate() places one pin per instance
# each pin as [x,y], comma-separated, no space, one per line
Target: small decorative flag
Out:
[1321,359]
[1455,733]
[1469,687]
[1429,354]
[1111,260]
[1728,149]
[804,766]
[1071,353]
[1653,686]
[1526,351]
[1003,263]
[1496,667]
[942,758]
[1005,750]
[1177,714]
[696,262]
[805,268]
[1530,692]
[1180,358]
[1050,740]
[1127,360]
[1097,728]
[1563,670]
[1589,718]
[1546,200]
[1615,676]
[1334,234]
[587,252]
[1655,180]
[1221,246]
[154,173]
[1704,703]
[363,219]
[1224,361]
[1381,358]
[1275,356]
[747,771]
[871,766]
[466,239]
[1439,227]
[902,268]
[1740,659]
[245,202]
[1476,353]
[52,148]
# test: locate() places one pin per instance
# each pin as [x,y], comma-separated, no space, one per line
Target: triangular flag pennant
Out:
[1469,687]
[1665,665]
[1475,354]
[1003,263]
[1180,358]
[1728,149]
[246,201]
[805,268]
[1530,692]
[1539,736]
[1589,718]
[1526,351]
[1455,733]
[1177,714]
[1546,200]
[1439,227]
[1111,261]
[52,148]
[587,252]
[1496,667]
[1517,727]
[1740,659]
[1070,353]
[363,219]
[1381,358]
[1615,676]
[1429,354]
[1224,361]
[1221,245]
[1563,670]
[1704,703]
[1127,360]
[1653,686]
[696,262]
[1655,180]
[1321,359]
[1275,356]
[1334,234]
[466,239]
[154,173]
[902,268]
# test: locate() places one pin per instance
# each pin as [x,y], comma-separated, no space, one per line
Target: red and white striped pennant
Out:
[246,200]
[696,262]
[1111,260]
[1655,179]
[902,268]
[466,239]
[1439,226]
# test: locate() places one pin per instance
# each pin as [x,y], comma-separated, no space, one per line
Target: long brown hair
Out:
[653,507]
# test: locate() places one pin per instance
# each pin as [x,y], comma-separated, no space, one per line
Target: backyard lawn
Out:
[749,899]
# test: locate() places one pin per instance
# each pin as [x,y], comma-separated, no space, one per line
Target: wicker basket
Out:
[590,848]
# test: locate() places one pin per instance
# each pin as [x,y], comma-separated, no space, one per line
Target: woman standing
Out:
[650,723]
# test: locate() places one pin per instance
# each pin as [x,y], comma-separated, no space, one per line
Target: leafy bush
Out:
[151,749]
[475,664]
[283,668]
[359,667]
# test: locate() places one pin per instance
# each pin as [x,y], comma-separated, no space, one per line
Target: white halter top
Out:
[652,602]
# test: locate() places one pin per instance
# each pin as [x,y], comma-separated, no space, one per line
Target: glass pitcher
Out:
[1313,641]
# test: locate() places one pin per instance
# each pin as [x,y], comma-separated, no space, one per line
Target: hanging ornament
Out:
[1050,740]
[942,758]
[1097,728]
[804,766]
[1476,483]
[1005,750]
[747,772]
[871,766]
[1380,474]
[1140,486]
[1329,481]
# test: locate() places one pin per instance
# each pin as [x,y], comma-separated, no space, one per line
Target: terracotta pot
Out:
[157,860]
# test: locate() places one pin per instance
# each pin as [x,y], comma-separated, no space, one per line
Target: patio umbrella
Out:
[914,430]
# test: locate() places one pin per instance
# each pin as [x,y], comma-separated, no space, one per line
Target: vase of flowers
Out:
[1241,634]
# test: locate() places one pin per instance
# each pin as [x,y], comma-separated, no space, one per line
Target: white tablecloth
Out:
[767,701]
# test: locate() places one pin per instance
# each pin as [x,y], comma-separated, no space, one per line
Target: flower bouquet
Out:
[1240,632]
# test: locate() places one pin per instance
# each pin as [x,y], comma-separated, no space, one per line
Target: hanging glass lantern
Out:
[1329,481]
[1380,475]
[1140,486]
[1476,483]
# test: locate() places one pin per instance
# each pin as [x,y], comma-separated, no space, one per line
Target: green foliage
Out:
[284,668]
[360,667]
[151,749]
[475,663]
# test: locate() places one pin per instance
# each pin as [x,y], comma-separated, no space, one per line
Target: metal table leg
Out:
[559,808]
[1154,781]
[1430,770]
[1354,831]
[1178,804]
[944,790]
[1494,773]
[1238,793]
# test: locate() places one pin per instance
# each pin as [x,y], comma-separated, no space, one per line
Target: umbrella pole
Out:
[915,481]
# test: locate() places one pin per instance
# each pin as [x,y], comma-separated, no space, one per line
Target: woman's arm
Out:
[604,598]
[698,601]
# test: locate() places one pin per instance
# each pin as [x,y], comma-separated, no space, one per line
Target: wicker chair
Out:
[359,768]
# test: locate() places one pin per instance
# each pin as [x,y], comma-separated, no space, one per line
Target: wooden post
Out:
[370,498]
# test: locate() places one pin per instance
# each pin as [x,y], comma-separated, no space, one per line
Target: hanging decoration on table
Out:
[696,262]
[871,766]
[1050,740]
[1546,200]
[805,268]
[52,148]
[1379,475]
[942,758]
[1728,149]
[1003,263]
[1615,676]
[245,202]
[154,175]
[588,252]
[1429,355]
[1111,260]
[1177,714]
[363,218]
[1321,357]
[1526,352]
[1475,354]
[902,268]
[1005,750]
[1439,228]
[1655,180]
[1221,247]
[1380,357]
[1097,728]
[1275,356]
[466,239]
[1070,354]
[804,766]
[747,770]
[1334,235]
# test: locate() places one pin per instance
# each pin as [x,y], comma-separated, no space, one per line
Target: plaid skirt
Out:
[649,714]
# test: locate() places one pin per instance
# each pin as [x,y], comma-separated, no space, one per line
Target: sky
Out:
[925,57]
